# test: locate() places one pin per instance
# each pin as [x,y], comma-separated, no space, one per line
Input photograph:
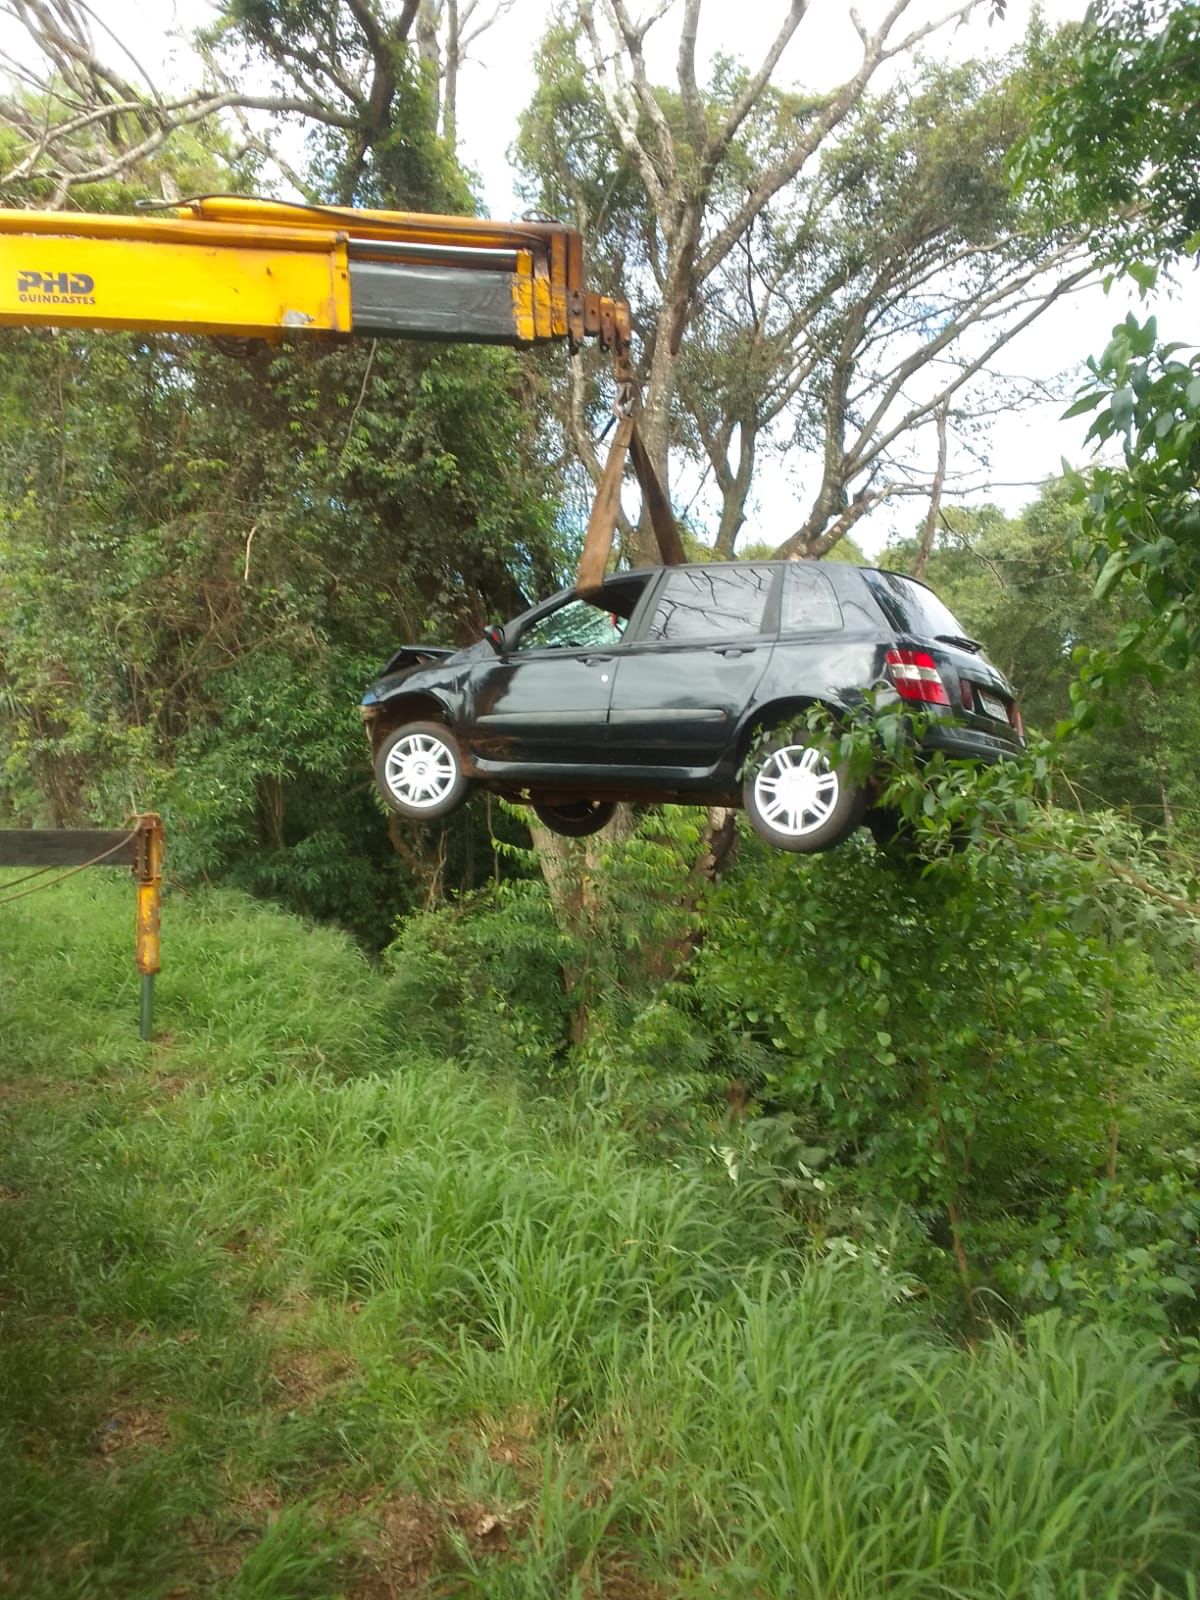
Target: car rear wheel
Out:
[797,800]
[418,769]
[575,818]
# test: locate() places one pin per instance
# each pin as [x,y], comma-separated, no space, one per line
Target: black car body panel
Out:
[655,690]
[416,655]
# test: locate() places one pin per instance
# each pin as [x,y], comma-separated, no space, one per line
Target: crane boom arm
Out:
[255,268]
[227,264]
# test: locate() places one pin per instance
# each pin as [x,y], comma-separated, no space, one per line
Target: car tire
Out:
[419,773]
[813,810]
[574,818]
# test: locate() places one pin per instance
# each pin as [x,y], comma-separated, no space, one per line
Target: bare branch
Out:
[122,47]
[642,89]
[255,141]
[999,302]
[693,109]
[754,88]
[621,114]
[869,450]
[107,125]
[834,109]
[467,35]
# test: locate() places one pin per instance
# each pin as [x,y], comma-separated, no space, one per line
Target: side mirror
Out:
[494,634]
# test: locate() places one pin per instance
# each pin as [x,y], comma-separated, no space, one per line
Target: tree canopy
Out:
[1116,146]
[816,273]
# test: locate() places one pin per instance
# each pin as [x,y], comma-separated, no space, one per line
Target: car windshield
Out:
[916,609]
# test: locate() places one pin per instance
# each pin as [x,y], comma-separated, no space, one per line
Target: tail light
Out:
[1017,721]
[967,694]
[916,677]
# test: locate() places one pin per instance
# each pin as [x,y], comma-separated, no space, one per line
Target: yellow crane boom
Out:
[228,264]
[225,264]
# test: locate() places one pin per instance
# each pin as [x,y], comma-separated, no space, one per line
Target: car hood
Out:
[415,660]
[416,655]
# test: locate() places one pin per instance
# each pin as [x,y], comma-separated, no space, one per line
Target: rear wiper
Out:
[959,639]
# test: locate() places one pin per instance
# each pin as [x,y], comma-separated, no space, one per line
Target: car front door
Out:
[544,701]
[682,685]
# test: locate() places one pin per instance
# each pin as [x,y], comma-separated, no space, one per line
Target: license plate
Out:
[991,706]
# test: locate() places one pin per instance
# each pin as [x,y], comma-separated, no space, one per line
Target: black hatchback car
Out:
[657,689]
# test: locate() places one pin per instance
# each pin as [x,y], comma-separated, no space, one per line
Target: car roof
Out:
[767,561]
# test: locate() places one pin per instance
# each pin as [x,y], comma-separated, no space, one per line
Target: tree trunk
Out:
[1165,801]
[654,423]
[426,865]
[450,86]
[735,489]
[718,845]
[574,872]
[935,497]
[570,870]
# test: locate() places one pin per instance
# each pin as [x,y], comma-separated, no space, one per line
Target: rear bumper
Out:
[962,743]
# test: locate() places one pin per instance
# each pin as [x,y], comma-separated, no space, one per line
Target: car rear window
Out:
[809,603]
[711,603]
[914,608]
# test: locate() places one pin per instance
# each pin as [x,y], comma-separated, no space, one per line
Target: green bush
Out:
[949,1030]
[945,1031]
[1127,1253]
[482,980]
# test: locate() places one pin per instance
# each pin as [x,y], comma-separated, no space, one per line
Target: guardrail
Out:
[139,847]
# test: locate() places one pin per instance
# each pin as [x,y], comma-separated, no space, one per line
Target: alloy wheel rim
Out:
[796,790]
[420,770]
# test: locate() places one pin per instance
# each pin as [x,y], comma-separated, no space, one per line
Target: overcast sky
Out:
[498,84]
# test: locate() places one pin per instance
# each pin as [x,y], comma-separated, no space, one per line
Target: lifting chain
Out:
[625,398]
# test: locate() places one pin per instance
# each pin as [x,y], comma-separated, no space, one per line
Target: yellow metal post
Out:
[147,870]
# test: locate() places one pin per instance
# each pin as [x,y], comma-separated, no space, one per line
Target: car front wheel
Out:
[797,800]
[575,818]
[418,769]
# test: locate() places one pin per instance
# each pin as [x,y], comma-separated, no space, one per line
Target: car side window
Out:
[711,603]
[574,626]
[809,604]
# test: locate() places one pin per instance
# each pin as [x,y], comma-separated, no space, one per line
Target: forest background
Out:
[969,1074]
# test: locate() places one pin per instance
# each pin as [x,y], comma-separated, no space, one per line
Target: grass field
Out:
[289,1313]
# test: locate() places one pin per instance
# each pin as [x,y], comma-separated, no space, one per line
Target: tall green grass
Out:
[290,1313]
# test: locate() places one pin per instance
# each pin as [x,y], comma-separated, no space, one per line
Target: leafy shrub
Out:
[942,1031]
[950,1028]
[1126,1253]
[482,979]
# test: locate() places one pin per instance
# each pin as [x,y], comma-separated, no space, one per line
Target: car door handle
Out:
[732,650]
[595,661]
